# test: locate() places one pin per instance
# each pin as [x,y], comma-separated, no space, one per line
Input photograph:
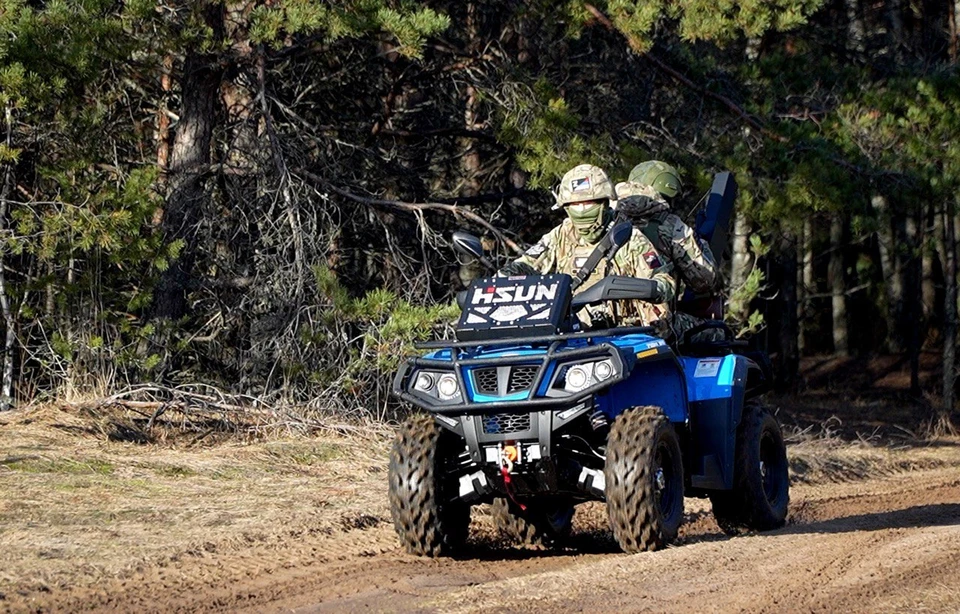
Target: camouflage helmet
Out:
[661,176]
[584,182]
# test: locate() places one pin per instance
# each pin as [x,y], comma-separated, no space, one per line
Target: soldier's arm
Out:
[696,263]
[541,254]
[640,257]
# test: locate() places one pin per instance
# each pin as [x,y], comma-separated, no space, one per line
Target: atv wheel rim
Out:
[771,466]
[664,482]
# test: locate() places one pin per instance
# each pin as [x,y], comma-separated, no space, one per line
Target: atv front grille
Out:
[521,378]
[486,380]
[504,424]
[500,381]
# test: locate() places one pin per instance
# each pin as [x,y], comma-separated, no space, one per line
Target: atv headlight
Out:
[603,370]
[425,382]
[442,385]
[587,374]
[448,387]
[577,378]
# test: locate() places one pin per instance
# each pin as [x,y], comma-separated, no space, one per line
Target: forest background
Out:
[257,195]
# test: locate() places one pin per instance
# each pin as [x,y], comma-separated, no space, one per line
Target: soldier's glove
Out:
[515,269]
[601,319]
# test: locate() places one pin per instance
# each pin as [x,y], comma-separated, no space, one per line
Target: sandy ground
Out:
[301,525]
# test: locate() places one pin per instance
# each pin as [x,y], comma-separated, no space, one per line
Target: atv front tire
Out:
[427,519]
[761,482]
[644,480]
[541,524]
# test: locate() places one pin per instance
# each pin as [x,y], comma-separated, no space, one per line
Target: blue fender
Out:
[716,388]
[657,380]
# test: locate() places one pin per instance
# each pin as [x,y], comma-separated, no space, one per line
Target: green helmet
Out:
[661,176]
[581,186]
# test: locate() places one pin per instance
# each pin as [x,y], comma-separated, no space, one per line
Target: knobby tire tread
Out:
[425,523]
[632,502]
[529,527]
[746,505]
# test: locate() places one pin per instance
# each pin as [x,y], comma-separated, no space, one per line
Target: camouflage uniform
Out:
[562,251]
[566,248]
[675,240]
[644,204]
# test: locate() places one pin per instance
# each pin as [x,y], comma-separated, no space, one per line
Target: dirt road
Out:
[93,523]
[882,544]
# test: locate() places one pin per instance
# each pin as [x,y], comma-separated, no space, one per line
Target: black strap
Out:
[605,245]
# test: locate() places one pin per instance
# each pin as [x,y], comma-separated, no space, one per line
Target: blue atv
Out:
[530,411]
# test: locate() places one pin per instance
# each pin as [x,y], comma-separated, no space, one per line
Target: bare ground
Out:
[301,525]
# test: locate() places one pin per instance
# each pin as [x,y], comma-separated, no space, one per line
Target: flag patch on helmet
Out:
[580,185]
[652,259]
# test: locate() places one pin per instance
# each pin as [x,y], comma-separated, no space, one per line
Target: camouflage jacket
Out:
[562,251]
[690,255]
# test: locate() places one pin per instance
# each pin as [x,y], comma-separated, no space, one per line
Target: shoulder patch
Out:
[536,250]
[652,259]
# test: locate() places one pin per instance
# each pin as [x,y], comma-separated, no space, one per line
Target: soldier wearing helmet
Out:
[585,194]
[643,199]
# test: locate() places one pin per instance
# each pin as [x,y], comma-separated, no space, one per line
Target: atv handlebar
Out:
[618,287]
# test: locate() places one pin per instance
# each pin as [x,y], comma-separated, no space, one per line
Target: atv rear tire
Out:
[761,482]
[644,480]
[541,524]
[426,518]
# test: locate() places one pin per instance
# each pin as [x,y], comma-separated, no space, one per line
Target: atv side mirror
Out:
[469,245]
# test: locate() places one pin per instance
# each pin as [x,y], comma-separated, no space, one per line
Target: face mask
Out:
[587,219]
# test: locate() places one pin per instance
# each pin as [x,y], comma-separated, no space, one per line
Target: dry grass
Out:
[821,453]
[75,506]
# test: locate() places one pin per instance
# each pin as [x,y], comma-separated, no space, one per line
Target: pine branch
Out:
[663,66]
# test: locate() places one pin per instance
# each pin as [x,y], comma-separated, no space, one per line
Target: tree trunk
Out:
[928,289]
[809,285]
[789,363]
[890,269]
[942,422]
[10,340]
[856,32]
[742,259]
[895,21]
[189,167]
[801,286]
[470,163]
[838,288]
[913,310]
[163,118]
[953,13]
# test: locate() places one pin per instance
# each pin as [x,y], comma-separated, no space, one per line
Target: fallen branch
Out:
[237,413]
